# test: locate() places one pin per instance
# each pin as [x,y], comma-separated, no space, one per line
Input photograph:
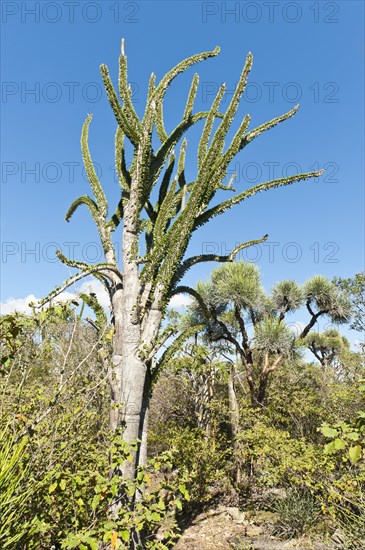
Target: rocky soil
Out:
[227,528]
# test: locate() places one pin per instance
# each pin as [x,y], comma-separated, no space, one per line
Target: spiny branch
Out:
[90,171]
[226,205]
[165,83]
[104,269]
[125,93]
[92,206]
[119,113]
[267,126]
[190,262]
[69,262]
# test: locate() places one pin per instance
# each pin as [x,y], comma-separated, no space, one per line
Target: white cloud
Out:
[22,304]
[17,304]
[180,300]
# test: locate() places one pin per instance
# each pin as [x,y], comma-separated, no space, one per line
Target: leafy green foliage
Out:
[355,289]
[155,495]
[273,458]
[204,463]
[347,435]
[55,481]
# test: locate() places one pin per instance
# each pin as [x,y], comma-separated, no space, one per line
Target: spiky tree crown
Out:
[323,294]
[239,283]
[274,337]
[330,339]
[182,206]
[287,296]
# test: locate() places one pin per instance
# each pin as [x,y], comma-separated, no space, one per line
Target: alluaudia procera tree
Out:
[158,212]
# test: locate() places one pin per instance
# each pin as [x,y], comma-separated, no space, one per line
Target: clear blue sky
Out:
[310,53]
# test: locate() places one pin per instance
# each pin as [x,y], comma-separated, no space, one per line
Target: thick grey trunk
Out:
[130,379]
[128,336]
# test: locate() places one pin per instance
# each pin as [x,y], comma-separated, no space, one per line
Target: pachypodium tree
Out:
[233,307]
[327,346]
[158,212]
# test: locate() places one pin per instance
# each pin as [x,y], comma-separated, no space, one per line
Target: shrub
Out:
[298,513]
[15,490]
[201,459]
[271,458]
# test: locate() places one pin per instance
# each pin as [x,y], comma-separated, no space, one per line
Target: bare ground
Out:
[227,528]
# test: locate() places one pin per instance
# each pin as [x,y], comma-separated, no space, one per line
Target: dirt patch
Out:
[209,531]
[229,529]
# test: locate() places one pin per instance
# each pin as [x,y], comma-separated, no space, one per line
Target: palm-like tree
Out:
[234,307]
[326,346]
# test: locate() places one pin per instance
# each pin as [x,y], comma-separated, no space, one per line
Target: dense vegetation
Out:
[297,452]
[227,396]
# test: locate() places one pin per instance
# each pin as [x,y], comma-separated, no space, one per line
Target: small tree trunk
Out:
[234,420]
[264,378]
[261,392]
[203,387]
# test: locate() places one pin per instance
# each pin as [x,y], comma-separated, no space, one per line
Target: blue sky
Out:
[310,53]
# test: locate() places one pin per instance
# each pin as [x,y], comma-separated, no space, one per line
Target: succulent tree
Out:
[274,342]
[234,307]
[323,297]
[329,348]
[326,346]
[158,212]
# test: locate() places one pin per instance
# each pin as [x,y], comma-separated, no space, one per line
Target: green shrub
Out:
[202,460]
[298,513]
[271,458]
[149,507]
[349,513]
